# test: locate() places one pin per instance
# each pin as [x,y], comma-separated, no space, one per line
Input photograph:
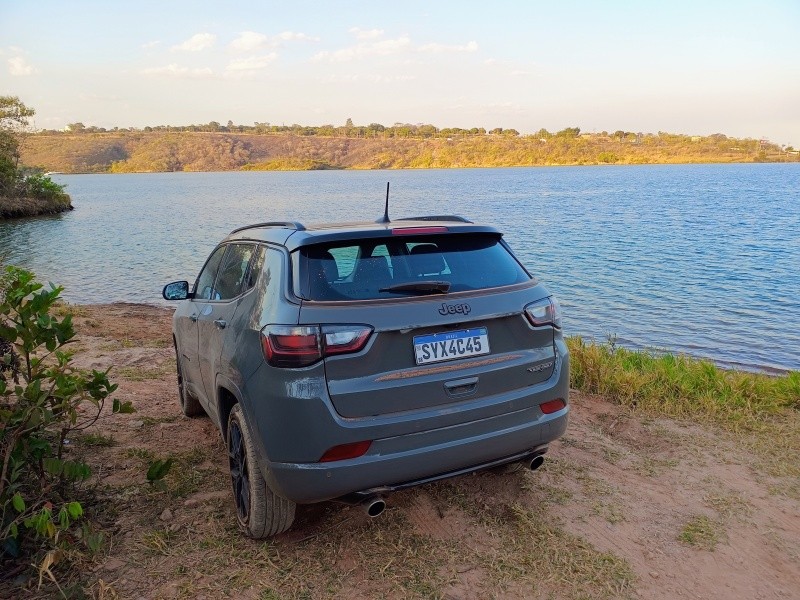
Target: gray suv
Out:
[347,361]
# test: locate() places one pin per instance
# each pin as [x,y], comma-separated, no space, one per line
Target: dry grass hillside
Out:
[158,151]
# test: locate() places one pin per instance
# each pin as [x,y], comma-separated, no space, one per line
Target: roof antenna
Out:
[385,218]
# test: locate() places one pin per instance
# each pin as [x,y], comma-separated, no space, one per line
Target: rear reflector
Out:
[345,451]
[552,406]
[417,230]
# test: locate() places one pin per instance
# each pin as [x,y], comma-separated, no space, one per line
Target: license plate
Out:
[450,345]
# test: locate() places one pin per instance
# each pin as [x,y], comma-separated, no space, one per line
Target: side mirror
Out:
[177,290]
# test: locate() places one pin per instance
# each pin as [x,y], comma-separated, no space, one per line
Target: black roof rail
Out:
[436,218]
[286,224]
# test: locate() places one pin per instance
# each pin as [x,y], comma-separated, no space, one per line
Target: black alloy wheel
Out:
[240,476]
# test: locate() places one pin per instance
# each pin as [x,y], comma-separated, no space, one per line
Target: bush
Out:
[43,400]
[41,186]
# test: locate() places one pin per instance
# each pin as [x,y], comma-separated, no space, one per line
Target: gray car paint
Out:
[300,413]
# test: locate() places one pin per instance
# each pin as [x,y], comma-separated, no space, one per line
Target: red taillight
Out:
[552,406]
[345,451]
[544,312]
[300,346]
[288,346]
[418,230]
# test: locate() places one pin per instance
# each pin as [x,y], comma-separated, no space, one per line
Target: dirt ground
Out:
[626,506]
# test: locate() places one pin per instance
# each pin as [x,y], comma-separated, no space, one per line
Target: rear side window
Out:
[232,278]
[372,269]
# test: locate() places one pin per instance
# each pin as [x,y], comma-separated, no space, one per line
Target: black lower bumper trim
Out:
[358,497]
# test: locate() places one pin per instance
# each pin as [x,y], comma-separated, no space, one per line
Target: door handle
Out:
[193,318]
[461,387]
[221,323]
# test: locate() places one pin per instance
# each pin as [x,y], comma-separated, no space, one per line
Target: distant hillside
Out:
[160,151]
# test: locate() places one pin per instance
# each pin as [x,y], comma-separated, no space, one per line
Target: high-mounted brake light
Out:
[544,312]
[293,346]
[418,230]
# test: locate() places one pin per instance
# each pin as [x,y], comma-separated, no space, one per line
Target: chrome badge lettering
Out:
[452,309]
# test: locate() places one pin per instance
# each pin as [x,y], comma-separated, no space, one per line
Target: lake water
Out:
[696,259]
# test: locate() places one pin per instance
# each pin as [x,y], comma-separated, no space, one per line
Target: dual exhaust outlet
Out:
[375,505]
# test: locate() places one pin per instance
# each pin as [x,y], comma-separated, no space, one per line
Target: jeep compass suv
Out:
[346,361]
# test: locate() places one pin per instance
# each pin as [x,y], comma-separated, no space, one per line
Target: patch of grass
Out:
[148,421]
[145,373]
[561,561]
[613,513]
[728,504]
[140,453]
[158,542]
[679,385]
[652,467]
[96,440]
[186,477]
[701,532]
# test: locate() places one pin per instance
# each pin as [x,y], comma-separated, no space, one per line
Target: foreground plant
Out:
[44,400]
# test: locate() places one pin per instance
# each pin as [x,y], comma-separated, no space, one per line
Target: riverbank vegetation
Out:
[681,386]
[23,191]
[215,147]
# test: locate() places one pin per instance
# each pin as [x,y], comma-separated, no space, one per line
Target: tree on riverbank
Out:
[23,191]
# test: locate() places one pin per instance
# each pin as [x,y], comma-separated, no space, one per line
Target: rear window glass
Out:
[404,266]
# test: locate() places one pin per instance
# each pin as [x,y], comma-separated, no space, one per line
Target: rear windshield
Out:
[404,266]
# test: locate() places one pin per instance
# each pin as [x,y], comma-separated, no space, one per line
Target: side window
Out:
[204,287]
[231,278]
[256,264]
[273,282]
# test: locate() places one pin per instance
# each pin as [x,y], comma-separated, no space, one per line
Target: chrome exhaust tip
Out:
[374,506]
[536,462]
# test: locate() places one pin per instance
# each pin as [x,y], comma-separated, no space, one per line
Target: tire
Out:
[260,512]
[189,404]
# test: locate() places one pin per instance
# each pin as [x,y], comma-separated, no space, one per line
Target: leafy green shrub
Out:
[43,400]
[39,185]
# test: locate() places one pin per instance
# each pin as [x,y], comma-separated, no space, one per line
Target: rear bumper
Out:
[405,452]
[377,473]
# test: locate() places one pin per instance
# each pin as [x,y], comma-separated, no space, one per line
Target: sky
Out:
[694,67]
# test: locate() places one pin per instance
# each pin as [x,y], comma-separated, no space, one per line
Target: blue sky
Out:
[683,67]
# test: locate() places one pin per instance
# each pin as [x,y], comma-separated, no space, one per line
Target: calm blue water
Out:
[697,259]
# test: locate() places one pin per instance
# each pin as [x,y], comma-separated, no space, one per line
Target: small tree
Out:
[14,117]
[14,180]
[43,400]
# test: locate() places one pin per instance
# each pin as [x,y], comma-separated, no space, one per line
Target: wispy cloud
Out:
[251,41]
[19,67]
[251,63]
[151,45]
[440,48]
[366,34]
[362,50]
[176,71]
[248,41]
[196,43]
[293,36]
[370,45]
